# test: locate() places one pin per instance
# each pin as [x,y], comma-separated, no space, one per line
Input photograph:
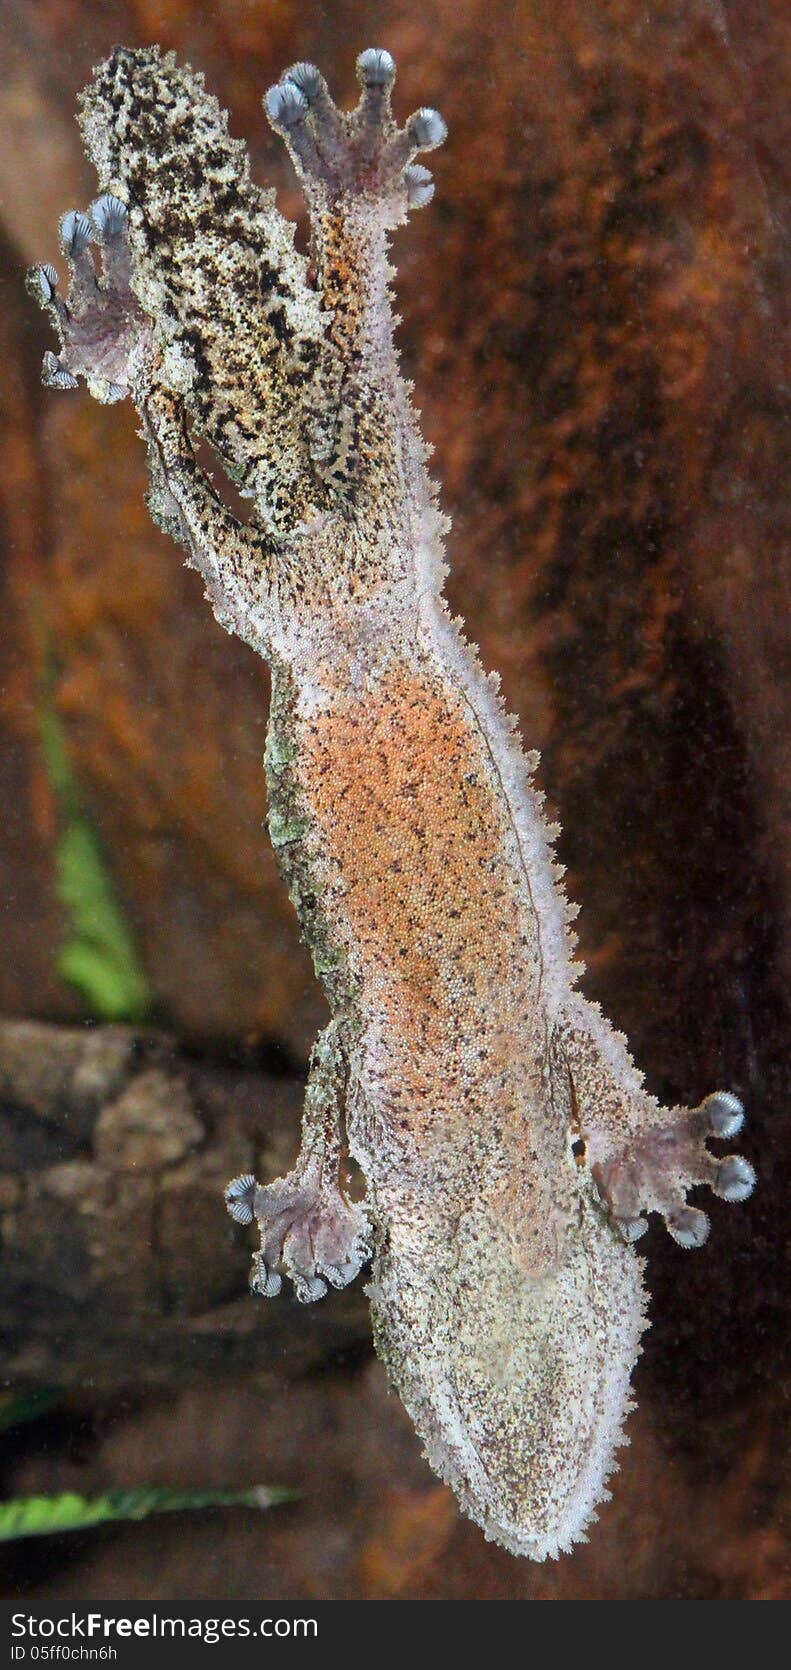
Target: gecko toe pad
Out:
[54,374]
[735,1178]
[76,232]
[656,1168]
[376,67]
[240,1198]
[109,215]
[688,1226]
[286,104]
[99,321]
[361,153]
[43,282]
[419,185]
[723,1113]
[266,1283]
[632,1228]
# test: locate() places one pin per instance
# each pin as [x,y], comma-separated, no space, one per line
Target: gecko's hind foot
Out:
[307,1227]
[100,320]
[362,153]
[654,1170]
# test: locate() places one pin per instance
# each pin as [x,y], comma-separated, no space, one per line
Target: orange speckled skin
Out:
[414,845]
[399,789]
[507,1145]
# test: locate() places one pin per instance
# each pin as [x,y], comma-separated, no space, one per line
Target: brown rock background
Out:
[593,316]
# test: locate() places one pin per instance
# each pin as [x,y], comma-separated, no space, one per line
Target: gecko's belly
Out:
[507,1311]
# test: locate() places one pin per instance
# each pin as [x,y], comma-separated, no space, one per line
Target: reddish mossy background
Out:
[593,318]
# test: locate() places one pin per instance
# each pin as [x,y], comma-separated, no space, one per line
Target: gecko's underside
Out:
[509,1150]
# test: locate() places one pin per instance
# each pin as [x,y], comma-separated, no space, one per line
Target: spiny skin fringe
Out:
[510,1151]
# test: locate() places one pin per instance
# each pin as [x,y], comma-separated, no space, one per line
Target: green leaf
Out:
[98,955]
[46,1516]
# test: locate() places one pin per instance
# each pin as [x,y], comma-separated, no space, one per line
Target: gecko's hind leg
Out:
[100,322]
[308,1225]
[655,1168]
[642,1157]
[360,154]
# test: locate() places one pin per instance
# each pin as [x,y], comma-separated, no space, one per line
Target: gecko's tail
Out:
[517,1380]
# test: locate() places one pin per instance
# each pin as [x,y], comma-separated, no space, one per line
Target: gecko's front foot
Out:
[307,1226]
[654,1169]
[362,154]
[100,322]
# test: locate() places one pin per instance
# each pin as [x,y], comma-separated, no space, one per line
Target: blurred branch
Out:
[120,1262]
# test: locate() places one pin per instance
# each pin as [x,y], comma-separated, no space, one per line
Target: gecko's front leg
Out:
[101,326]
[360,178]
[107,339]
[308,1225]
[362,154]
